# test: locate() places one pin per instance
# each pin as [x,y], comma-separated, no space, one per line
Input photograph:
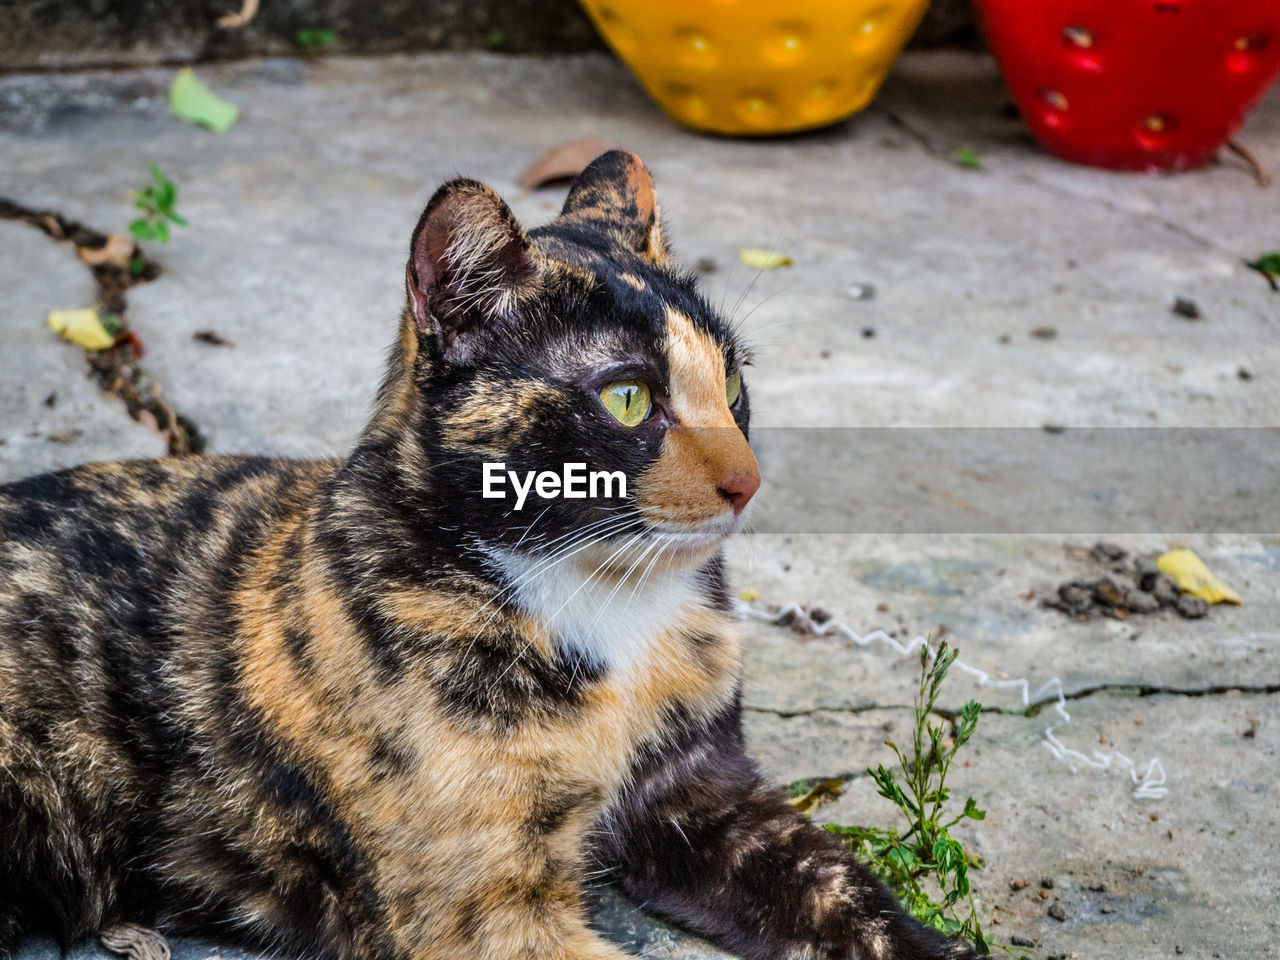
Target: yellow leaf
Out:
[749,596]
[812,799]
[82,327]
[763,259]
[1189,572]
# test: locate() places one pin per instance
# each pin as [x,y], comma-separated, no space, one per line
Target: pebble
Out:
[1145,567]
[1139,601]
[1104,550]
[1164,590]
[1058,911]
[1191,607]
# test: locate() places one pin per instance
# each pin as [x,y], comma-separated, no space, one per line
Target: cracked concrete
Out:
[299,219]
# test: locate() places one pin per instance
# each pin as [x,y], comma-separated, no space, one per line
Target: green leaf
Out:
[1267,263]
[972,812]
[968,723]
[313,43]
[968,158]
[195,103]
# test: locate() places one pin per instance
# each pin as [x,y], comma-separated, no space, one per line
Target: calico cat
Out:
[356,710]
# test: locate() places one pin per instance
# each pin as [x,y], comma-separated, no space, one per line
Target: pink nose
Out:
[739,488]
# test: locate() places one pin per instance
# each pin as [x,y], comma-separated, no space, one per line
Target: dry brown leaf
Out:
[564,161]
[116,252]
[233,21]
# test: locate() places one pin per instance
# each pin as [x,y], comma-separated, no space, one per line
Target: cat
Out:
[355,710]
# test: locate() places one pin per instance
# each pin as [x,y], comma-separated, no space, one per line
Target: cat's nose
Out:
[739,487]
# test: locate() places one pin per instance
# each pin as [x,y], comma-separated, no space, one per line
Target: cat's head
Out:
[578,342]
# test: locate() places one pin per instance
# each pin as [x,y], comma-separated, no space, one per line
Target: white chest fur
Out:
[613,620]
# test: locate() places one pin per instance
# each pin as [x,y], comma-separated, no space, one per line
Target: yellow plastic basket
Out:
[758,67]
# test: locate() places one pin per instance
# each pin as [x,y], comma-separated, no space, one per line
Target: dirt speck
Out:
[212,337]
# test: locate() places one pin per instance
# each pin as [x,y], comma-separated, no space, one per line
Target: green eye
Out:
[627,400]
[733,387]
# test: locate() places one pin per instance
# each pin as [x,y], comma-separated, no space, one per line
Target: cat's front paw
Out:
[906,939]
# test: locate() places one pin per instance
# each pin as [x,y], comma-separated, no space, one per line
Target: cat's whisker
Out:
[659,554]
[653,544]
[773,250]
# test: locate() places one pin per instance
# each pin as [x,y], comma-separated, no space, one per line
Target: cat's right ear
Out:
[469,262]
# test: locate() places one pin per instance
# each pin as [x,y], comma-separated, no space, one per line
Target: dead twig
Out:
[1253,163]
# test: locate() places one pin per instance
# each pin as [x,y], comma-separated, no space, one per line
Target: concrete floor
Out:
[299,223]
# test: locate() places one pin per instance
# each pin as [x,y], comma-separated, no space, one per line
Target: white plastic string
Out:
[1149,785]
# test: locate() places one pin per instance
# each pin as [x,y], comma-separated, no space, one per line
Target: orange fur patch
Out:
[705,446]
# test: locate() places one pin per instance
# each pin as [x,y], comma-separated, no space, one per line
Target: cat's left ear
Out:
[615,196]
[469,263]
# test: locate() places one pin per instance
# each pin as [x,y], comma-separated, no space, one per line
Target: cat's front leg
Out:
[702,841]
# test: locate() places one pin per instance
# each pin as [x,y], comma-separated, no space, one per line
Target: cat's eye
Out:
[627,400]
[733,387]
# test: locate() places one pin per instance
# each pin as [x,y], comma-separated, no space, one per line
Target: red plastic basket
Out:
[1135,84]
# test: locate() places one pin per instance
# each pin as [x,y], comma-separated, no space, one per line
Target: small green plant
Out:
[314,43]
[925,850]
[158,203]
